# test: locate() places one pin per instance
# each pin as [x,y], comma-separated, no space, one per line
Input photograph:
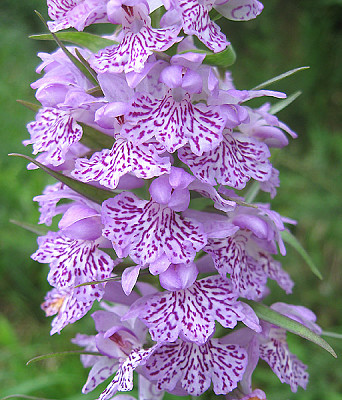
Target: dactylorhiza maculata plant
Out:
[151,144]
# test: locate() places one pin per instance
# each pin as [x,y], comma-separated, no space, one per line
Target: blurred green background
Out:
[288,34]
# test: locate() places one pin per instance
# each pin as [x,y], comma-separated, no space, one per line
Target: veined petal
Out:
[123,380]
[108,166]
[76,13]
[286,366]
[196,21]
[103,368]
[230,257]
[174,123]
[240,10]
[53,132]
[237,159]
[196,366]
[192,312]
[148,231]
[73,262]
[66,304]
[132,53]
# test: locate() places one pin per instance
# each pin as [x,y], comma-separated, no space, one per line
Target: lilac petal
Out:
[192,312]
[240,10]
[300,314]
[88,342]
[73,262]
[146,231]
[148,391]
[179,200]
[178,276]
[237,159]
[180,179]
[285,365]
[129,278]
[115,294]
[275,272]
[215,225]
[108,166]
[104,368]
[271,184]
[196,21]
[160,190]
[66,304]
[201,126]
[230,257]
[77,14]
[123,380]
[53,132]
[81,222]
[132,53]
[195,366]
[210,192]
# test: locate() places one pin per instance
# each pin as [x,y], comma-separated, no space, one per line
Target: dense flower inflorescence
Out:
[164,140]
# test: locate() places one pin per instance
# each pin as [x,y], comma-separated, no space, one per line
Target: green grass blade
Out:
[92,193]
[280,105]
[293,241]
[279,77]
[267,314]
[59,354]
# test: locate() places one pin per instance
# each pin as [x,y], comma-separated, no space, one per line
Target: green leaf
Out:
[92,193]
[267,314]
[223,59]
[332,334]
[61,353]
[23,396]
[78,64]
[293,241]
[279,77]
[29,105]
[94,139]
[38,230]
[84,39]
[114,278]
[280,105]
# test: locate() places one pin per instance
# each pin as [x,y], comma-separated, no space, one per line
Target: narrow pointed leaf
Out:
[38,230]
[280,105]
[71,57]
[332,334]
[92,193]
[267,314]
[114,278]
[252,192]
[61,353]
[29,105]
[293,241]
[94,139]
[83,39]
[279,77]
[24,396]
[86,65]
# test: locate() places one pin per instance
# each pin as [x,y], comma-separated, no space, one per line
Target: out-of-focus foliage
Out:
[288,34]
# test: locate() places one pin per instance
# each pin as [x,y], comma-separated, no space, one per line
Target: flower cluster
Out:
[164,140]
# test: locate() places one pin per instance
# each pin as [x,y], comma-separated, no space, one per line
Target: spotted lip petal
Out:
[191,312]
[196,366]
[138,43]
[123,380]
[239,10]
[69,308]
[174,123]
[237,159]
[53,133]
[148,231]
[75,13]
[73,262]
[196,21]
[108,166]
[286,366]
